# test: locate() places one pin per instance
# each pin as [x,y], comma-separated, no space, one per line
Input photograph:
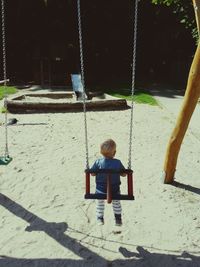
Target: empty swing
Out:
[4,160]
[108,172]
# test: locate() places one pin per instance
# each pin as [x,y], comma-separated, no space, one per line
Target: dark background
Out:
[43,47]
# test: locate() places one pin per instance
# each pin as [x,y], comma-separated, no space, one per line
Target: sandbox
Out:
[62,102]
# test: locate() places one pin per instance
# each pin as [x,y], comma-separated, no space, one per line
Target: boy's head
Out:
[108,148]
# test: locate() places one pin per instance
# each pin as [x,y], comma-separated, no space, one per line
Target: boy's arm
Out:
[93,168]
[122,168]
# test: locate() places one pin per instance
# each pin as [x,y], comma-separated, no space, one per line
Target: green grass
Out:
[2,110]
[7,90]
[140,97]
[121,90]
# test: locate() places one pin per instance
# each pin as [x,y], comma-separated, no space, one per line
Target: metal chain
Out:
[4,76]
[83,82]
[133,82]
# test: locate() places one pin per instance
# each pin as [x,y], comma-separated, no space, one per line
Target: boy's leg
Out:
[117,211]
[100,210]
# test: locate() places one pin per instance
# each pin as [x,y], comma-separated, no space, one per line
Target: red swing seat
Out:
[108,196]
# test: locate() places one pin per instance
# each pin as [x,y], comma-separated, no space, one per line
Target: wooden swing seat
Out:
[108,196]
[104,196]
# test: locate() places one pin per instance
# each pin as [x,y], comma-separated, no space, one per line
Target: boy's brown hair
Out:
[108,148]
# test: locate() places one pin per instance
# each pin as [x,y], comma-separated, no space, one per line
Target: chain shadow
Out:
[56,231]
[25,124]
[29,124]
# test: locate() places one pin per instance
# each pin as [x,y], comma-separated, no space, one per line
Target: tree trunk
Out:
[196,4]
[191,97]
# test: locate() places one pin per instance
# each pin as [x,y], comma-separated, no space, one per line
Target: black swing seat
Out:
[108,172]
[104,196]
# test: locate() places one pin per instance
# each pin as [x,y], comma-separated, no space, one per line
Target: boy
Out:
[108,150]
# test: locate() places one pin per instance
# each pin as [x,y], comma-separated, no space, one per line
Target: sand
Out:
[45,220]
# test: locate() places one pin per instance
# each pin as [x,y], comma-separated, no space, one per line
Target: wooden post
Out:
[191,97]
[130,184]
[196,5]
[87,182]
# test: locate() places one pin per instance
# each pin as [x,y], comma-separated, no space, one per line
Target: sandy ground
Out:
[46,222]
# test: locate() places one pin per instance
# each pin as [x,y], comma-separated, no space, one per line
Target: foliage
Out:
[3,110]
[184,10]
[7,90]
[140,97]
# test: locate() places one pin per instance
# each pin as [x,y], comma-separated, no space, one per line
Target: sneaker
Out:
[100,221]
[118,222]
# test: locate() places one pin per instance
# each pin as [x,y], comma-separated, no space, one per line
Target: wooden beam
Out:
[16,106]
[196,5]
[191,97]
[3,81]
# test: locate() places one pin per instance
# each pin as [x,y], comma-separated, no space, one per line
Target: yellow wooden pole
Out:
[196,5]
[191,97]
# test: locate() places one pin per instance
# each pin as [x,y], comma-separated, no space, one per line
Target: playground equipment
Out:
[109,196]
[61,102]
[65,101]
[4,160]
[129,171]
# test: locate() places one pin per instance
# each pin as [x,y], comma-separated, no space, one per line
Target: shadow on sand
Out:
[166,90]
[186,187]
[141,258]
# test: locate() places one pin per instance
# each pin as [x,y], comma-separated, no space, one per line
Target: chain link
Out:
[133,82]
[83,83]
[4,75]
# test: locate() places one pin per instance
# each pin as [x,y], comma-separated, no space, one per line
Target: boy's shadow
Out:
[88,257]
[147,258]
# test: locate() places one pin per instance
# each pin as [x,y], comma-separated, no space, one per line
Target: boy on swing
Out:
[108,150]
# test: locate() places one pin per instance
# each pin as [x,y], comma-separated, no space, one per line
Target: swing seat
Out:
[104,196]
[108,196]
[5,160]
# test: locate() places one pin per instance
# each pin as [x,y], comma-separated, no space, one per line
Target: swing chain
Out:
[83,82]
[132,88]
[4,76]
[133,81]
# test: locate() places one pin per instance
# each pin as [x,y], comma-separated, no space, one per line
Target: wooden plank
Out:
[43,107]
[3,81]
[104,196]
[127,171]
